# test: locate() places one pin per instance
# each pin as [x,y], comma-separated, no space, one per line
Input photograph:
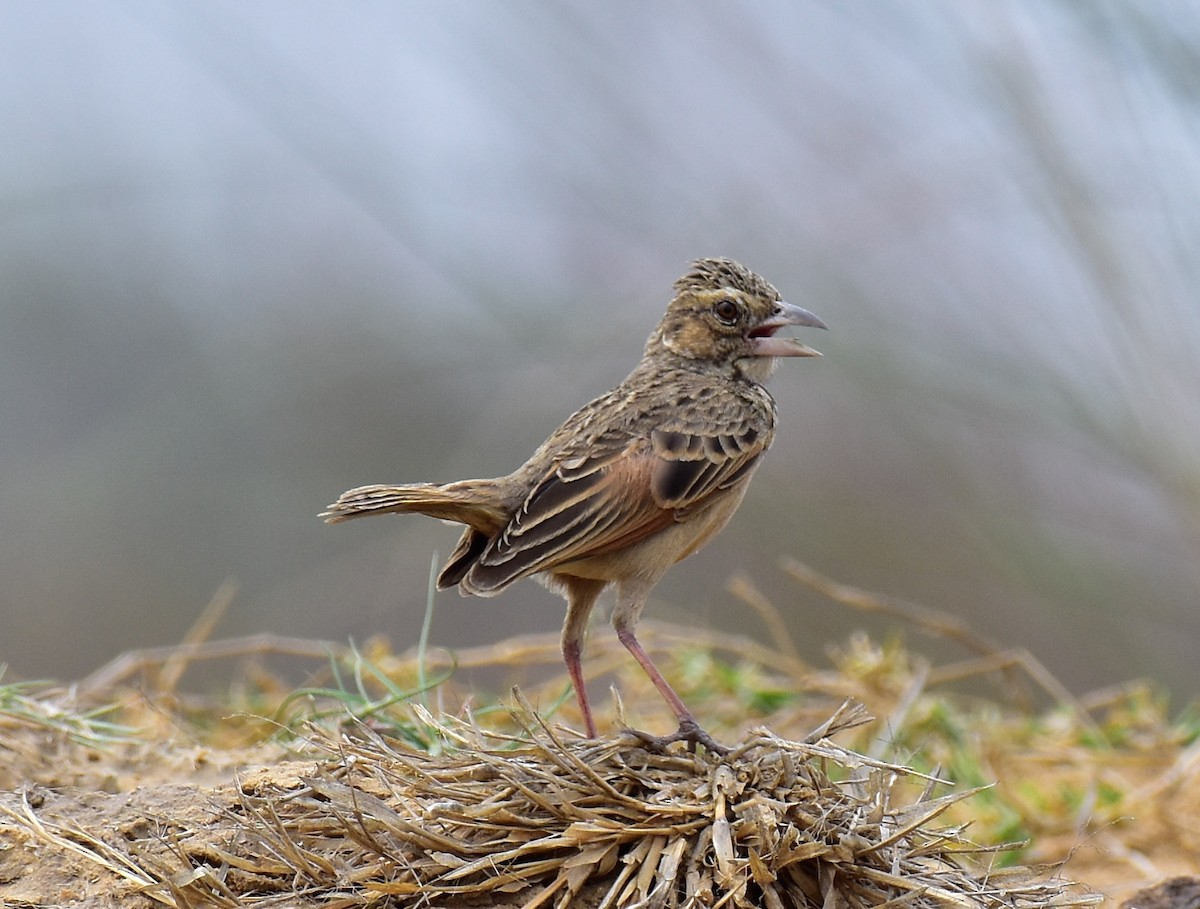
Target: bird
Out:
[631,483]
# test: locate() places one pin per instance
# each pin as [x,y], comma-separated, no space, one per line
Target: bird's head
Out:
[726,314]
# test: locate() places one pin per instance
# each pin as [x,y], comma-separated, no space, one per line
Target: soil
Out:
[175,792]
[144,800]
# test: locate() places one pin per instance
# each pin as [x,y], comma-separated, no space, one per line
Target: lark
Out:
[633,482]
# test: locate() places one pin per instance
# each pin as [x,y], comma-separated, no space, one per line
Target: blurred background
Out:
[254,254]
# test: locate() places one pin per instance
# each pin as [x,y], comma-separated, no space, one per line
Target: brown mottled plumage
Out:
[634,481]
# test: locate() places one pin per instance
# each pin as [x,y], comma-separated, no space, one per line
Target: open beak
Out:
[762,336]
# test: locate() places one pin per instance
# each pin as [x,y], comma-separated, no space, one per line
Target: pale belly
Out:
[650,559]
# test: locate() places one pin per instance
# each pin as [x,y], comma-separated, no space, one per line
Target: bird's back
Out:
[651,454]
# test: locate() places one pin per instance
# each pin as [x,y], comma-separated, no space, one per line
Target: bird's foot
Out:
[689,731]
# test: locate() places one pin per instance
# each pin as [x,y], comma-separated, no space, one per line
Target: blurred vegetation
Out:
[252,256]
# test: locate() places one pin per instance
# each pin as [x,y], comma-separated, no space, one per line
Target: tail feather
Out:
[476,503]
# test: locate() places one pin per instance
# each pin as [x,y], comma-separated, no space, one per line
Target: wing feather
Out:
[602,501]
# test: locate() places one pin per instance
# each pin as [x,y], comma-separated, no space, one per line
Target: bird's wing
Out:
[605,500]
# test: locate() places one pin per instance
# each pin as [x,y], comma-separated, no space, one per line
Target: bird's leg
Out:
[625,619]
[581,597]
[689,729]
[573,658]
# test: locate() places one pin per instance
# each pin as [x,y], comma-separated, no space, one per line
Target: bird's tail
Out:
[476,503]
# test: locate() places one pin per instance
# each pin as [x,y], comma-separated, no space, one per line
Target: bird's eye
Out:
[727,311]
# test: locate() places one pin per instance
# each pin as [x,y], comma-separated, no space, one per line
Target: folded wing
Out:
[607,500]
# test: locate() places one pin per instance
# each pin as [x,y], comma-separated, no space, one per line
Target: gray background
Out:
[254,254]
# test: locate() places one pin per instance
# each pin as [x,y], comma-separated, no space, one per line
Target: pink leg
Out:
[626,636]
[581,597]
[689,730]
[574,661]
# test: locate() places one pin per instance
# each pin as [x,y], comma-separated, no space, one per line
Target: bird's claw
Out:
[689,731]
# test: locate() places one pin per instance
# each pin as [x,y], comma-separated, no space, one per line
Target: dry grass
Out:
[535,819]
[382,782]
